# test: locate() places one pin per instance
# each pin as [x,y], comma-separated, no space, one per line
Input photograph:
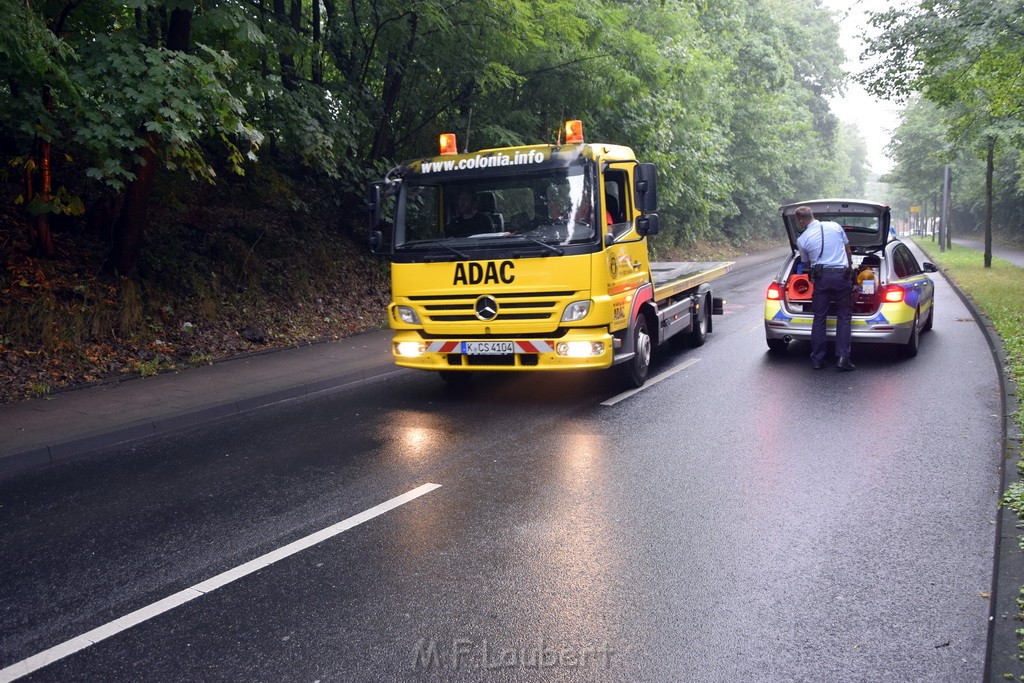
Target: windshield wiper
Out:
[440,243]
[554,250]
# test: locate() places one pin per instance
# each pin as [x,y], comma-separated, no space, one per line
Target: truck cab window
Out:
[418,214]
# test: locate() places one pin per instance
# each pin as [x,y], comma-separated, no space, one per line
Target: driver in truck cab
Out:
[559,205]
[468,219]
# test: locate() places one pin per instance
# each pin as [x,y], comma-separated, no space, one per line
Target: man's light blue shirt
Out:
[834,253]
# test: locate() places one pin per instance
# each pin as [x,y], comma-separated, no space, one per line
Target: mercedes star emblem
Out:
[486,307]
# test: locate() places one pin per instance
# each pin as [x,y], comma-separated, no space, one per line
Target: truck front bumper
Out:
[578,348]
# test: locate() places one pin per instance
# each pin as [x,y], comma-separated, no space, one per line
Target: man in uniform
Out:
[825,249]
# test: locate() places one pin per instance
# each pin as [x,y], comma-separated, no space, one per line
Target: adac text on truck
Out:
[532,258]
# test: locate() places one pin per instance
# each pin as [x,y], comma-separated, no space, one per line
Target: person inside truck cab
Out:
[560,207]
[468,219]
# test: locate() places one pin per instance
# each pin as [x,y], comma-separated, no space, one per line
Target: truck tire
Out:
[638,367]
[699,334]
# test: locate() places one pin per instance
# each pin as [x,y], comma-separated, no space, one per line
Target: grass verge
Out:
[996,292]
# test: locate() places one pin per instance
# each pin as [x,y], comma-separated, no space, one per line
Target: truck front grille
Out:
[508,360]
[460,307]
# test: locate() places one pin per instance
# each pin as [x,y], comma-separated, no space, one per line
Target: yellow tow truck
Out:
[532,258]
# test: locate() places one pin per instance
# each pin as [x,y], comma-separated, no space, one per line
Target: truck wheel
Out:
[455,379]
[777,345]
[640,364]
[699,334]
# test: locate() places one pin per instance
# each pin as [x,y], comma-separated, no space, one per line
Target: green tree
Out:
[730,99]
[34,66]
[142,94]
[966,56]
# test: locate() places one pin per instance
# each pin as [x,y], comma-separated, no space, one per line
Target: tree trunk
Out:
[179,30]
[44,236]
[40,236]
[135,212]
[394,75]
[318,63]
[289,77]
[989,164]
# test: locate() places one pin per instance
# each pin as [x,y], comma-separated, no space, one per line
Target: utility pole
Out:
[946,240]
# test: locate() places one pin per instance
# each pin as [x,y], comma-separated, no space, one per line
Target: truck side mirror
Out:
[646,187]
[373,204]
[647,224]
[376,241]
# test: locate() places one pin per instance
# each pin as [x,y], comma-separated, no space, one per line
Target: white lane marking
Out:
[650,383]
[68,647]
[755,328]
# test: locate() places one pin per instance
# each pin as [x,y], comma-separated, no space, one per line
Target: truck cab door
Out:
[625,249]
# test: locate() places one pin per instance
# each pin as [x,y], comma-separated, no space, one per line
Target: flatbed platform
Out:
[673,277]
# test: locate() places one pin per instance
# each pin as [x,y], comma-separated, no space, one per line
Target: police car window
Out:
[899,264]
[913,268]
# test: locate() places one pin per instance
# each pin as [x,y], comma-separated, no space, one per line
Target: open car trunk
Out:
[867,297]
[866,223]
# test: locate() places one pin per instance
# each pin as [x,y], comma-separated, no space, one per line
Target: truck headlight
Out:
[579,349]
[407,315]
[577,310]
[410,349]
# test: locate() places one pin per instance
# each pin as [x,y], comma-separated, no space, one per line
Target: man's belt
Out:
[837,269]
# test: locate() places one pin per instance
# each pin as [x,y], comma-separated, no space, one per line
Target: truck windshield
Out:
[554,207]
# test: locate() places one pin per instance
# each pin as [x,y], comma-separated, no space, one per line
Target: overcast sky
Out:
[875,119]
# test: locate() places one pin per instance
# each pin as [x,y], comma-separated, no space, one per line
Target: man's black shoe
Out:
[845,365]
[817,366]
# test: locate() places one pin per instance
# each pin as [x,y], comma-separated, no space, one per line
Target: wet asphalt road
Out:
[746,518]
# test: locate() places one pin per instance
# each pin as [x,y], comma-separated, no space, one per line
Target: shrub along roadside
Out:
[995,292]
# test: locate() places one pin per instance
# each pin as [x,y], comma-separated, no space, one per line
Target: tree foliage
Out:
[960,63]
[728,98]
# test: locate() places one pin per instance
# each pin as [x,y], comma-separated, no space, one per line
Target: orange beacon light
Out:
[448,145]
[573,132]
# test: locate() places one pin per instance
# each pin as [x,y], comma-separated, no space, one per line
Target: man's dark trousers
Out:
[831,286]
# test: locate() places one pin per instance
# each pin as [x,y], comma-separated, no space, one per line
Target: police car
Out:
[894,299]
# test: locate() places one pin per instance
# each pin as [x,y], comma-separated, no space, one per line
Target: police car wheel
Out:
[910,348]
[777,345]
[931,317]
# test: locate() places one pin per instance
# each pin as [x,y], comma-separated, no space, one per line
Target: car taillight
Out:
[774,291]
[893,294]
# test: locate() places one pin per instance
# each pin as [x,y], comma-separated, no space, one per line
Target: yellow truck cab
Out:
[532,258]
